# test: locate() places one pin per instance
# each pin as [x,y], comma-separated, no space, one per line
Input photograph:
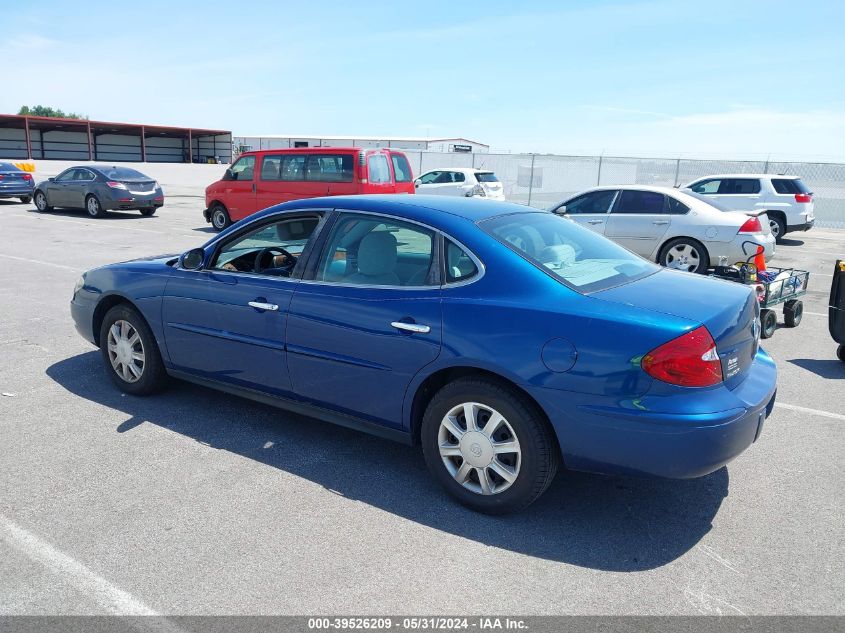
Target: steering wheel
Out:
[259,267]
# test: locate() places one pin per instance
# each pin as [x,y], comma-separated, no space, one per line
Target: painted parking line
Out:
[107,225]
[42,263]
[818,412]
[111,598]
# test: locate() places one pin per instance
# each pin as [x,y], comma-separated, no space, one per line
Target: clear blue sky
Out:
[716,78]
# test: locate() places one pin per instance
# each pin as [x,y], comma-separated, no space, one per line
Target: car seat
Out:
[377,254]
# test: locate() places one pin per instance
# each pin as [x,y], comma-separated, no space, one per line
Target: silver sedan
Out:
[673,228]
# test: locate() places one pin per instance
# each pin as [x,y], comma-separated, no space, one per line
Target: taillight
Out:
[27,176]
[116,185]
[690,360]
[752,225]
[803,197]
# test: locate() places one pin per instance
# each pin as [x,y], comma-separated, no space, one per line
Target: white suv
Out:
[460,181]
[785,199]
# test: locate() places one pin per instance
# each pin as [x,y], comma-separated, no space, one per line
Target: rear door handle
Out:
[661,222]
[259,305]
[416,328]
[595,221]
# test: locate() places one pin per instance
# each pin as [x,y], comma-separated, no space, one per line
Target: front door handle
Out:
[595,221]
[259,305]
[660,222]
[416,328]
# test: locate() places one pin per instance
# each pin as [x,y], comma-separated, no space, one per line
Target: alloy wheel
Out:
[682,257]
[479,448]
[93,206]
[775,226]
[40,201]
[126,351]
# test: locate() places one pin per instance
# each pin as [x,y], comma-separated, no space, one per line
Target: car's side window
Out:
[271,167]
[459,265]
[429,178]
[707,187]
[272,249]
[293,167]
[458,176]
[377,251]
[243,168]
[66,176]
[676,207]
[83,175]
[642,202]
[736,186]
[594,202]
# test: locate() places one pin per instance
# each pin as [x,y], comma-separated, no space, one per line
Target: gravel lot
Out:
[195,502]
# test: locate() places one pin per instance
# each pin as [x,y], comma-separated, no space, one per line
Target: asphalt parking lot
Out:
[196,502]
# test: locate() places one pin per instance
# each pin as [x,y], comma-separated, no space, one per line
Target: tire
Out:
[41,202]
[840,353]
[26,199]
[792,312]
[778,226]
[148,212]
[684,253]
[148,375]
[768,323]
[220,219]
[533,465]
[93,207]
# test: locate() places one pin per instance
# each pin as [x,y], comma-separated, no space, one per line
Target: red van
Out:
[263,178]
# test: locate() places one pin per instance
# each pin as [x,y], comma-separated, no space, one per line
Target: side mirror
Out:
[417,183]
[229,174]
[192,260]
[51,179]
[561,210]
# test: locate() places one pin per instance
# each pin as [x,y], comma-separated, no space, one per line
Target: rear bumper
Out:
[125,200]
[16,192]
[687,435]
[801,227]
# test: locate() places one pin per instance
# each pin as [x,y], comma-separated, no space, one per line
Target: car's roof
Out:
[318,150]
[745,176]
[658,188]
[466,170]
[437,210]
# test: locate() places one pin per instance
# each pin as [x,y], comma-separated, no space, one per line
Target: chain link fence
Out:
[541,180]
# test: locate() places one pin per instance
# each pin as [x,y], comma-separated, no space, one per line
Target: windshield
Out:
[576,256]
[486,176]
[122,173]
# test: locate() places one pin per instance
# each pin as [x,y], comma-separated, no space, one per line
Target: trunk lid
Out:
[728,310]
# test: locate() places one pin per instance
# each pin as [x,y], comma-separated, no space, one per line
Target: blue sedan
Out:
[504,340]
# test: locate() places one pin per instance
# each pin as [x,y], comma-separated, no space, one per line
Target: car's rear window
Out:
[578,257]
[789,185]
[120,173]
[401,168]
[486,176]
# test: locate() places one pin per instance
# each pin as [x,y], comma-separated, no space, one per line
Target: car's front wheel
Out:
[26,199]
[685,254]
[130,352]
[219,217]
[41,202]
[487,446]
[94,208]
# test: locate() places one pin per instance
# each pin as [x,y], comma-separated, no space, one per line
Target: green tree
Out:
[41,110]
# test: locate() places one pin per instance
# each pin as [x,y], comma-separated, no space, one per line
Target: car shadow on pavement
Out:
[789,241]
[826,368]
[119,214]
[599,522]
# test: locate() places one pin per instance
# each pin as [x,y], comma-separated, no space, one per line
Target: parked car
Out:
[98,189]
[668,226]
[505,340]
[261,179]
[455,181]
[787,201]
[15,183]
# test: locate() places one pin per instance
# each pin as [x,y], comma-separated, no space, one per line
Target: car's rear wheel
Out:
[219,217]
[130,352]
[768,323]
[792,312]
[840,353]
[41,202]
[683,253]
[93,206]
[26,199]
[778,226]
[147,212]
[487,446]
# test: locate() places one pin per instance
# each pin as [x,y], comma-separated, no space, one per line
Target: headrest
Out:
[377,253]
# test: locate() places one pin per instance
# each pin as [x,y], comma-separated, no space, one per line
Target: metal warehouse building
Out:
[46,138]
[247,143]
